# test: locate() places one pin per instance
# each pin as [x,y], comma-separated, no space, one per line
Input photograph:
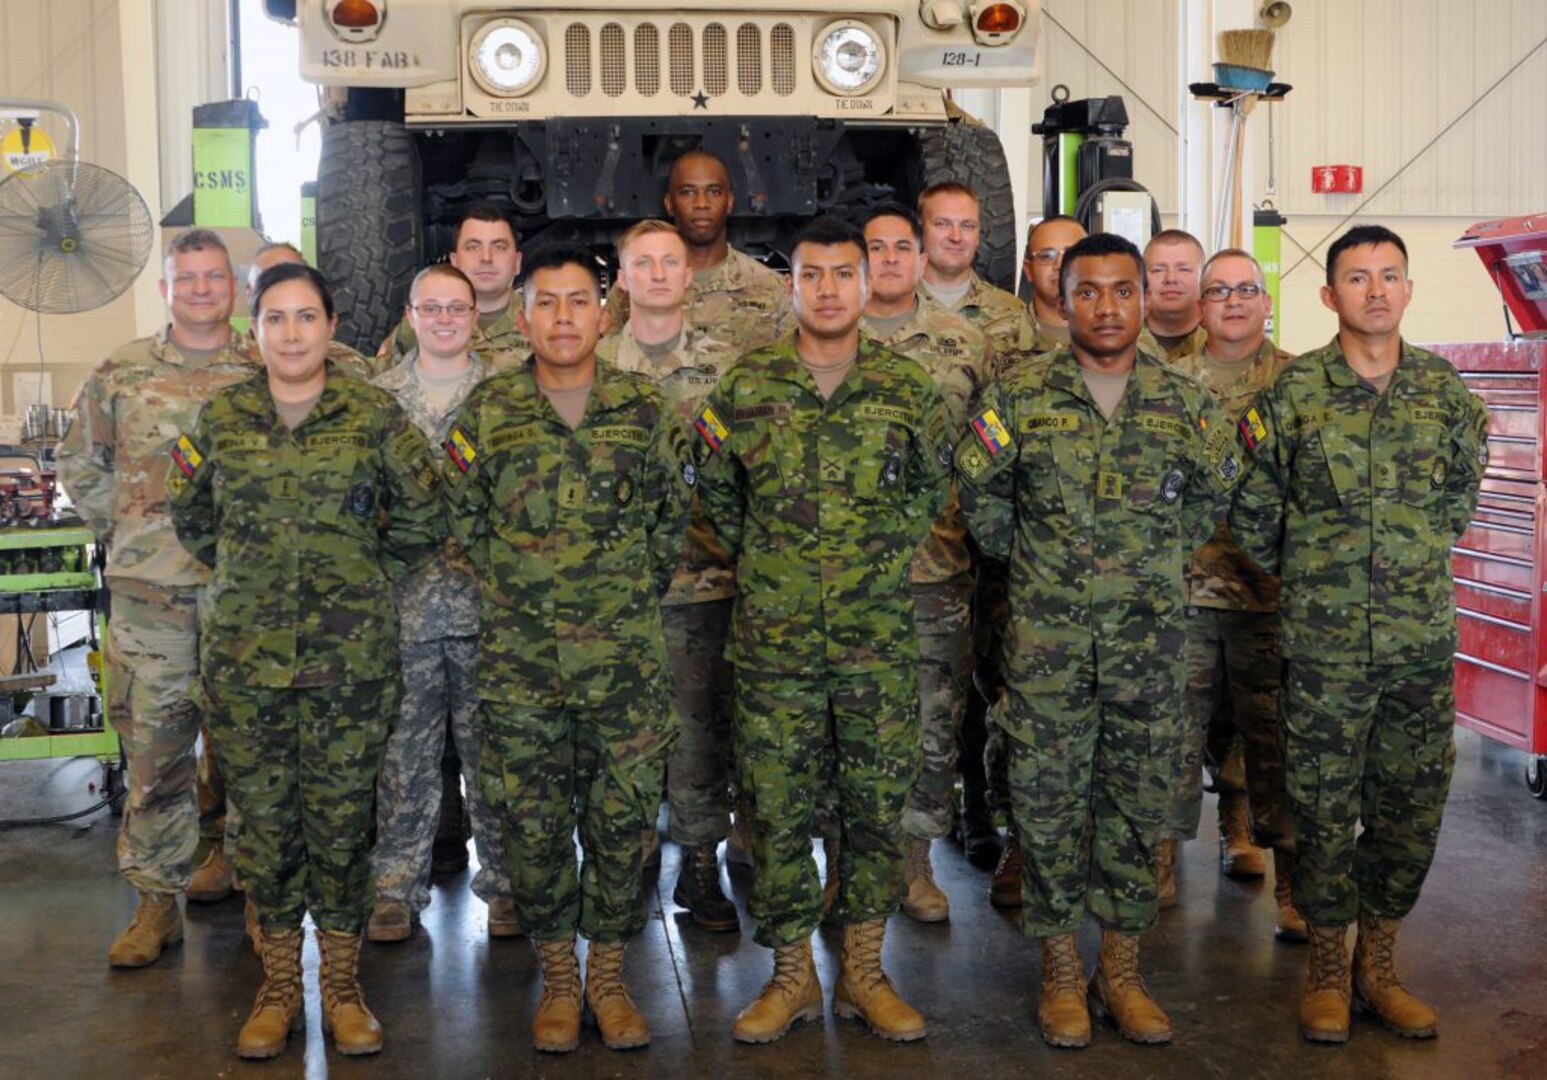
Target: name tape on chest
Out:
[621,435]
[236,443]
[512,437]
[892,414]
[770,410]
[1162,425]
[1048,422]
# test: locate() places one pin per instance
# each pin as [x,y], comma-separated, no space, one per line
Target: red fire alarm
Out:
[1337,179]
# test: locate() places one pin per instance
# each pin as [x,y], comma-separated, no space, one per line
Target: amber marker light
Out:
[998,19]
[356,14]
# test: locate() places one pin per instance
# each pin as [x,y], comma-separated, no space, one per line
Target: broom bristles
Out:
[1247,48]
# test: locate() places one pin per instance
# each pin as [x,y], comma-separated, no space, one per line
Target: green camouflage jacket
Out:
[303,530]
[114,461]
[1355,498]
[1220,575]
[574,535]
[685,376]
[821,504]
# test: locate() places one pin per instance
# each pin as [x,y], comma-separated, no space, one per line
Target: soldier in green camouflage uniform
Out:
[573,518]
[113,463]
[685,362]
[1091,472]
[306,491]
[732,296]
[1173,328]
[955,355]
[438,638]
[1232,624]
[823,462]
[1366,458]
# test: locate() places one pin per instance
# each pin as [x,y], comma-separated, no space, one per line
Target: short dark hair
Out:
[486,212]
[698,152]
[829,231]
[896,210]
[280,273]
[1096,245]
[554,256]
[1362,236]
[1050,219]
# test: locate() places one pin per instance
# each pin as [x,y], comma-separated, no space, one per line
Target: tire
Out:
[1536,776]
[969,153]
[370,232]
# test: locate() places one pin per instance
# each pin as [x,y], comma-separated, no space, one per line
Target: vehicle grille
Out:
[718,58]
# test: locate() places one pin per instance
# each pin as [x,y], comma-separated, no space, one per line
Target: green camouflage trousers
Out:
[698,774]
[210,790]
[153,658]
[1090,778]
[990,626]
[1368,745]
[1232,690]
[784,727]
[943,614]
[439,680]
[301,767]
[547,771]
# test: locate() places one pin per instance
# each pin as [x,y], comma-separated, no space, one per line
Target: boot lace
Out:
[1379,949]
[604,972]
[340,963]
[1061,965]
[863,948]
[281,969]
[561,971]
[1330,959]
[1122,967]
[918,864]
[706,870]
[789,970]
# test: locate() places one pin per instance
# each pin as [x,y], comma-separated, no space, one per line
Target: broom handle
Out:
[1243,109]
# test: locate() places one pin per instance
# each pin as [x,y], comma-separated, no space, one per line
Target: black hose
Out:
[1085,207]
[22,823]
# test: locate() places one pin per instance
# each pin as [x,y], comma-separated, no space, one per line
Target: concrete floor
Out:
[456,1005]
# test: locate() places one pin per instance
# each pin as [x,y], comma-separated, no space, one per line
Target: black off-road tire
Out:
[971,154]
[370,231]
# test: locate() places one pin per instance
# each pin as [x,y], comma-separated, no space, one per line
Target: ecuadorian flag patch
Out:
[993,433]
[460,449]
[1253,430]
[711,428]
[186,456]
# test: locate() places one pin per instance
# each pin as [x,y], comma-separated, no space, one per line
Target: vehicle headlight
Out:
[849,58]
[507,58]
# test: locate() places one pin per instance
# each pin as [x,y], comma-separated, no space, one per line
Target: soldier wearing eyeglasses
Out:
[1046,243]
[1232,624]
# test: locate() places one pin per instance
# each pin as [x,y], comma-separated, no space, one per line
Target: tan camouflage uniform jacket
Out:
[740,301]
[1002,318]
[499,337]
[1192,343]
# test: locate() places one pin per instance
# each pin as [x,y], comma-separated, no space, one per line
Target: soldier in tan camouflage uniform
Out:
[732,295]
[685,362]
[1172,326]
[489,253]
[955,355]
[438,640]
[113,463]
[1232,625]
[1046,242]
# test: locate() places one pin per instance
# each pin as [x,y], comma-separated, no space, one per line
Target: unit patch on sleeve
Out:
[993,433]
[709,426]
[1253,430]
[460,449]
[186,457]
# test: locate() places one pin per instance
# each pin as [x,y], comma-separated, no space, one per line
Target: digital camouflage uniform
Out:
[114,465]
[696,610]
[1355,498]
[298,651]
[955,355]
[1232,651]
[438,638]
[1097,518]
[574,536]
[500,342]
[822,504]
[738,300]
[1194,342]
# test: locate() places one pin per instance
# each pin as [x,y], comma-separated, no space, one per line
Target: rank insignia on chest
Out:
[460,449]
[1253,430]
[624,492]
[709,426]
[1171,487]
[993,433]
[186,457]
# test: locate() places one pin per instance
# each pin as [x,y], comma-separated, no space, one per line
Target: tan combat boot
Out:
[1004,890]
[250,920]
[1324,1005]
[156,924]
[830,885]
[391,920]
[277,1011]
[622,1025]
[865,993]
[793,993]
[1238,856]
[212,881]
[925,901]
[1120,992]
[503,921]
[344,1012]
[1290,926]
[1062,1010]
[1165,871]
[556,1024]
[1376,986]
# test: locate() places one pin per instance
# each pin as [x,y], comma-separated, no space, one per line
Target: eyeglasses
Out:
[457,309]
[1220,293]
[1047,256]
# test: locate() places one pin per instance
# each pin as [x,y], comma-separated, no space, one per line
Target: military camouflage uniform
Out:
[438,639]
[1356,498]
[1232,652]
[738,300]
[696,610]
[574,536]
[114,463]
[822,505]
[1098,518]
[298,655]
[1192,343]
[500,342]
[955,355]
[1001,317]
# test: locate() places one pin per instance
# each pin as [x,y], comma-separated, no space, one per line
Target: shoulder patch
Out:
[711,428]
[972,461]
[186,456]
[1253,430]
[460,449]
[992,432]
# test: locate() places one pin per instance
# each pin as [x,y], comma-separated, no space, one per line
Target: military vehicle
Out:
[570,116]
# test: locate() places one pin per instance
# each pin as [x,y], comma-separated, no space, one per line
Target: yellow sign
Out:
[26,149]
